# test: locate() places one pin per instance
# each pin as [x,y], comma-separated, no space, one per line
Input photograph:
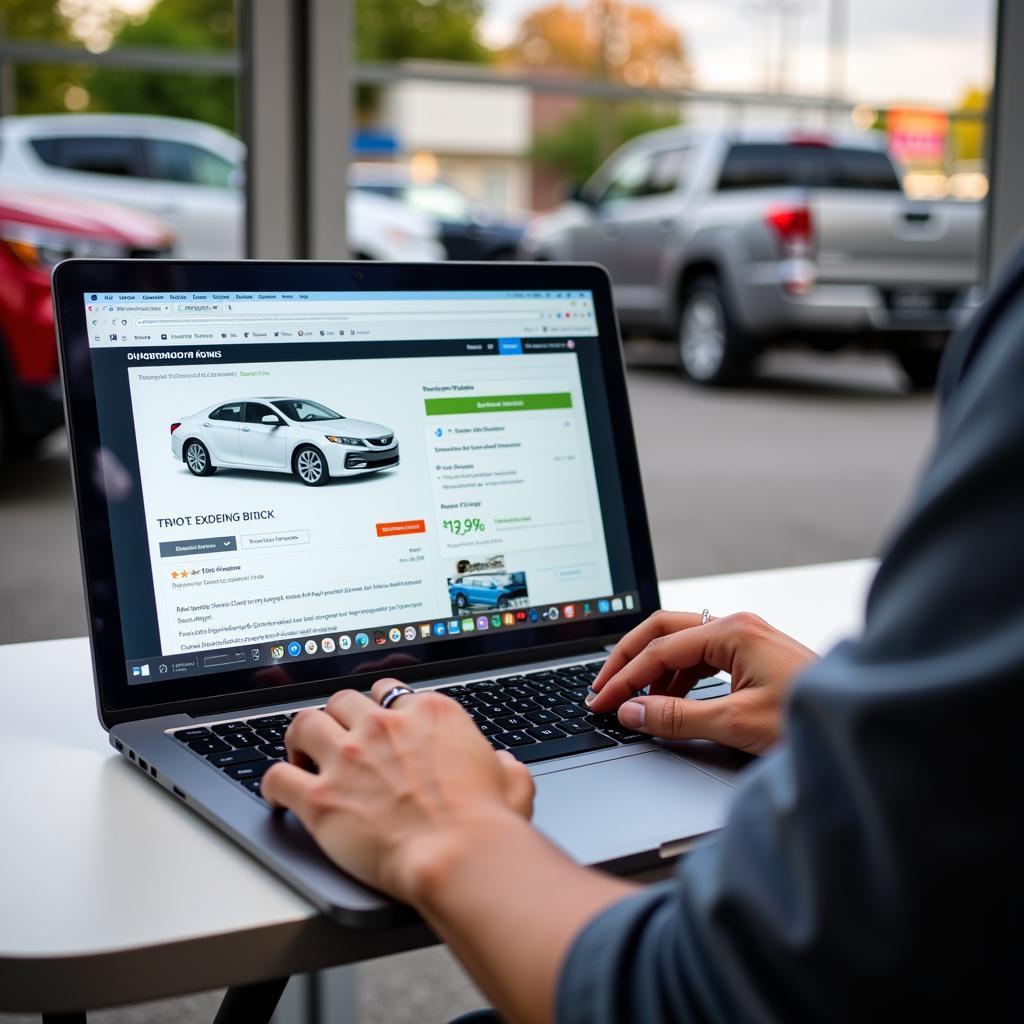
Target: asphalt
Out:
[813,462]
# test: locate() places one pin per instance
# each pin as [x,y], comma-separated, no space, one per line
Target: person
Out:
[868,867]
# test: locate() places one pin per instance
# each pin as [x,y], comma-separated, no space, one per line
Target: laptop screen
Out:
[329,475]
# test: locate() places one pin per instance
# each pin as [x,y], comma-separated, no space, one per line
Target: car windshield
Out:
[303,411]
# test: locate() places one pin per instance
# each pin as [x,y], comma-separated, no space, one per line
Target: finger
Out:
[681,650]
[349,707]
[682,681]
[285,785]
[519,784]
[312,736]
[380,689]
[672,718]
[659,624]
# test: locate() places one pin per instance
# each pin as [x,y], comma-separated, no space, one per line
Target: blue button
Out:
[510,346]
[439,629]
[294,649]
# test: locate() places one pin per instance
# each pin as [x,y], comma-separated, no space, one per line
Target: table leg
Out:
[245,1004]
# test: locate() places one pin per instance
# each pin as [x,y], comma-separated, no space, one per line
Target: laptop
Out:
[293,478]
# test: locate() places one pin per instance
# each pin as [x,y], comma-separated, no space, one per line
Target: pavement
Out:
[812,462]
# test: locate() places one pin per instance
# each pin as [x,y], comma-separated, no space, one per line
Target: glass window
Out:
[862,168]
[767,165]
[629,179]
[121,157]
[666,170]
[303,411]
[181,161]
[231,412]
[254,412]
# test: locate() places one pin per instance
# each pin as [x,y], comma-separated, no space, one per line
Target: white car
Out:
[187,173]
[282,435]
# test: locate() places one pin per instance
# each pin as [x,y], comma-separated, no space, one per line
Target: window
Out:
[193,165]
[254,412]
[628,179]
[119,157]
[767,165]
[232,413]
[666,170]
[304,411]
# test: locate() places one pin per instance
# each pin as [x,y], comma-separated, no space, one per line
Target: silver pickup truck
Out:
[732,242]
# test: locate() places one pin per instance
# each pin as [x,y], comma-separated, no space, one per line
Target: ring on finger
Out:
[393,694]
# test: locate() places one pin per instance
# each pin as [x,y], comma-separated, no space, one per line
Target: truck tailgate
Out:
[886,239]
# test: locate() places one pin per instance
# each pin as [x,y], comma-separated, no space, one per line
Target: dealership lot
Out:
[811,463]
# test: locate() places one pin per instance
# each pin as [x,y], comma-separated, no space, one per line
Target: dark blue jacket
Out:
[871,866]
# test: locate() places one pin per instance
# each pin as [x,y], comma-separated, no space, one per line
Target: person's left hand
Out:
[395,787]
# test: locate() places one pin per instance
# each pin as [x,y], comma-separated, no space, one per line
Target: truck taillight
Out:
[794,229]
[792,224]
[174,427]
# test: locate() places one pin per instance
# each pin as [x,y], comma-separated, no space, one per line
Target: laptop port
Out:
[143,765]
[178,792]
[152,771]
[118,745]
[131,754]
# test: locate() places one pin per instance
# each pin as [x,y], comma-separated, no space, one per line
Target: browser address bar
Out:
[305,318]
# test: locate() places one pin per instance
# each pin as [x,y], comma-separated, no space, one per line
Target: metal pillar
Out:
[1005,228]
[296,121]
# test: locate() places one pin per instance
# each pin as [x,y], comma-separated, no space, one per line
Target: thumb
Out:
[519,786]
[673,718]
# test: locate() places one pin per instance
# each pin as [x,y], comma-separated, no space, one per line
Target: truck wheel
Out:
[310,466]
[711,349]
[921,365]
[197,458]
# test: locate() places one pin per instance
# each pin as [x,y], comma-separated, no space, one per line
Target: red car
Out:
[36,232]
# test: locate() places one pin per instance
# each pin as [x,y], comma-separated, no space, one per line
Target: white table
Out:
[112,892]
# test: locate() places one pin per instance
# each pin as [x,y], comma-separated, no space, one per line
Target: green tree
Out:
[389,30]
[575,146]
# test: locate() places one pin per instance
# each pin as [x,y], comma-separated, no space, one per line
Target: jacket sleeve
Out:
[868,868]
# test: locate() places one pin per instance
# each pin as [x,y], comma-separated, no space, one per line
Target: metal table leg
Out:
[244,1004]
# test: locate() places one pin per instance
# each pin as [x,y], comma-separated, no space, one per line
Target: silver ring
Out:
[705,617]
[393,694]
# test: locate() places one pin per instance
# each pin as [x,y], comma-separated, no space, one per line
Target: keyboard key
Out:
[196,733]
[575,727]
[512,739]
[548,700]
[242,739]
[223,728]
[476,716]
[253,785]
[213,745]
[253,770]
[622,735]
[521,705]
[271,735]
[515,692]
[542,686]
[569,711]
[269,721]
[496,743]
[455,691]
[488,728]
[483,684]
[273,749]
[233,757]
[578,693]
[545,732]
[512,722]
[493,710]
[541,717]
[563,747]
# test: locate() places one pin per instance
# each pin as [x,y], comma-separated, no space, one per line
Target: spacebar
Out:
[560,748]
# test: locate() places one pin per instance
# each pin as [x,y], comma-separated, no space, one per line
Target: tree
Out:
[390,30]
[968,136]
[623,42]
[582,140]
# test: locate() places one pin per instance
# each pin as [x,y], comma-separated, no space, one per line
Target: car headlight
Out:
[337,439]
[41,249]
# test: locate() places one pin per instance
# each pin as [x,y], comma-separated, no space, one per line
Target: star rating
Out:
[179,575]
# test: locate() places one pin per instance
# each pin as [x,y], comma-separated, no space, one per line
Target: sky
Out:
[919,51]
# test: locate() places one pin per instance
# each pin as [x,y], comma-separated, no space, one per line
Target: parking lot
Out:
[810,463]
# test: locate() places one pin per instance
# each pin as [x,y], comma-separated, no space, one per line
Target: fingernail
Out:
[590,697]
[632,714]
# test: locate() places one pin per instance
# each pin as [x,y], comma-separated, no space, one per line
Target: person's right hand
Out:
[671,652]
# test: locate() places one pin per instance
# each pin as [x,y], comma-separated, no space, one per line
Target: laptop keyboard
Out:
[536,716]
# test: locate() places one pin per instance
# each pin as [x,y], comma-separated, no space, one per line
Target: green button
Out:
[498,403]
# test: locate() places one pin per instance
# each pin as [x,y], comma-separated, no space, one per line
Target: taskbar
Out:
[461,622]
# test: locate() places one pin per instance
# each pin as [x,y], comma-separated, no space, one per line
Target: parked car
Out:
[37,231]
[187,173]
[469,230]
[282,435]
[485,590]
[733,242]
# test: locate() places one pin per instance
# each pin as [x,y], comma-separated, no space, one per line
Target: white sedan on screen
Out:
[282,435]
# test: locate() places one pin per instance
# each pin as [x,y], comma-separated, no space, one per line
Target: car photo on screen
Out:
[297,436]
[487,590]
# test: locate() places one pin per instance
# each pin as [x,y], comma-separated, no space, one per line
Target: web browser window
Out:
[323,473]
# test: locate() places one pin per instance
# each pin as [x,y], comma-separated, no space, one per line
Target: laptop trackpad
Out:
[628,805]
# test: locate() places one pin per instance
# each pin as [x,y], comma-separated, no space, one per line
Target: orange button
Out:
[405,526]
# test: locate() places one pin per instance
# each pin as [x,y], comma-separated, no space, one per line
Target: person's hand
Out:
[395,788]
[672,651]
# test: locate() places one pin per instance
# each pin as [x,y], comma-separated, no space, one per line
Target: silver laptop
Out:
[293,478]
